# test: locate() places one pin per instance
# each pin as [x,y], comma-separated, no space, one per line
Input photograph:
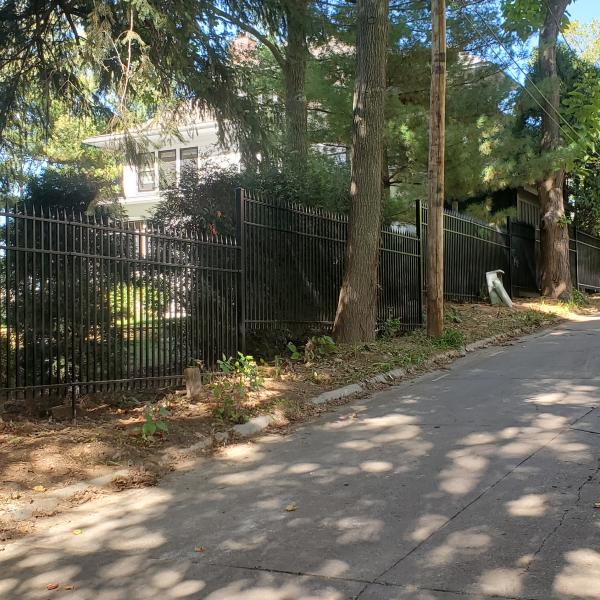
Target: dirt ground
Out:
[39,456]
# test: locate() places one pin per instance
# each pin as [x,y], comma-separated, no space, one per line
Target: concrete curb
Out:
[260,424]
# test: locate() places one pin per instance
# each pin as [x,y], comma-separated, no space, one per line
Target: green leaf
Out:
[149,429]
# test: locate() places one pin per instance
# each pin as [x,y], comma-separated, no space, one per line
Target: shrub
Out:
[239,376]
[390,329]
[450,339]
[154,420]
[577,299]
[203,199]
[318,347]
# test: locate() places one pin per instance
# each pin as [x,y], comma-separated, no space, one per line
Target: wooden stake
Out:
[435,198]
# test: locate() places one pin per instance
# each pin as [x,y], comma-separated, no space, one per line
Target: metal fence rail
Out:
[587,270]
[294,263]
[91,305]
[470,249]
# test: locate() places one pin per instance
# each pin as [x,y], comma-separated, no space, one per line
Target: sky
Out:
[584,10]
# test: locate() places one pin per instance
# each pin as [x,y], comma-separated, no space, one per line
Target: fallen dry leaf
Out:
[68,588]
[77,531]
[291,507]
[39,488]
[597,505]
[52,586]
[199,549]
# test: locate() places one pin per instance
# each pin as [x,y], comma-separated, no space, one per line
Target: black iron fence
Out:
[470,249]
[91,305]
[586,271]
[293,260]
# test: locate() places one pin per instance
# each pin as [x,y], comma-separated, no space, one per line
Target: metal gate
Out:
[523,270]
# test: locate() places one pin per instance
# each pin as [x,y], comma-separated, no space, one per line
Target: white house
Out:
[162,160]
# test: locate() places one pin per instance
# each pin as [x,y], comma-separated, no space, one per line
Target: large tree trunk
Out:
[356,313]
[555,267]
[434,264]
[294,75]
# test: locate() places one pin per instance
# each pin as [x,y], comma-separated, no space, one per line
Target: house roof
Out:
[151,133]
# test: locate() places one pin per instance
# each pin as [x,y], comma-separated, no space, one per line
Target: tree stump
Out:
[193,382]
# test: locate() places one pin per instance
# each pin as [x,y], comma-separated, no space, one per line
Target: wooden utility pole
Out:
[434,265]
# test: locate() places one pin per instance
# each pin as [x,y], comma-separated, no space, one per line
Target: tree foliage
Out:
[204,201]
[74,68]
[124,61]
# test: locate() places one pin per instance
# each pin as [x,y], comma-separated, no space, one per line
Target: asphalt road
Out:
[469,483]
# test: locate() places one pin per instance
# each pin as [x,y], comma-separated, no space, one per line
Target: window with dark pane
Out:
[146,176]
[189,159]
[167,168]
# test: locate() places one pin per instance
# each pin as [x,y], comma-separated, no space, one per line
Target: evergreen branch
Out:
[263,39]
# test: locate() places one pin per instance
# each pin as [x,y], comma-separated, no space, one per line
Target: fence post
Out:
[510,257]
[419,227]
[241,241]
[576,258]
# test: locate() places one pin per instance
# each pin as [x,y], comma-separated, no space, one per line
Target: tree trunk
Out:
[434,264]
[294,75]
[356,313]
[555,265]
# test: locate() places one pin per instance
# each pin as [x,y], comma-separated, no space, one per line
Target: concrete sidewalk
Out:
[475,482]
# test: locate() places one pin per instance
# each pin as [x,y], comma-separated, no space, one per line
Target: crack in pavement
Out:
[566,511]
[545,539]
[476,499]
[589,479]
[367,582]
[296,573]
[563,517]
[585,431]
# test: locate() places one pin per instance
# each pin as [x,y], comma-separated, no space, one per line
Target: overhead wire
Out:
[527,78]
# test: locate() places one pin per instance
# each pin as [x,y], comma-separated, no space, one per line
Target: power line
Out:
[527,78]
